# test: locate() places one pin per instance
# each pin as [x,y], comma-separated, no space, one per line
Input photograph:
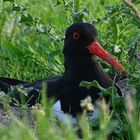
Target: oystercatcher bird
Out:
[80,50]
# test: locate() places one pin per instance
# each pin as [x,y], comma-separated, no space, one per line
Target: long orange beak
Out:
[95,49]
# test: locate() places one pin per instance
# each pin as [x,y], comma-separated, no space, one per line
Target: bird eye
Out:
[76,35]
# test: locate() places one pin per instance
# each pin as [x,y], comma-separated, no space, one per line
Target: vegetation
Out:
[31,40]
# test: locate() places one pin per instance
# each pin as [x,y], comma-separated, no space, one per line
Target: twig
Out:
[133,7]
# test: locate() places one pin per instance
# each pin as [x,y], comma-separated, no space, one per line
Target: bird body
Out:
[81,64]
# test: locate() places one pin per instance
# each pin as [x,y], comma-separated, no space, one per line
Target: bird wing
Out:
[11,81]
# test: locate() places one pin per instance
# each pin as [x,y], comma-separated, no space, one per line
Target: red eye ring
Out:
[76,35]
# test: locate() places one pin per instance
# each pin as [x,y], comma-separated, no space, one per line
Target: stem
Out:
[133,7]
[77,5]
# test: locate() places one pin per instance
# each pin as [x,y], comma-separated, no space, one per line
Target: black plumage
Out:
[80,65]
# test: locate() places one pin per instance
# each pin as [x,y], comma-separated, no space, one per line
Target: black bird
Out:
[81,64]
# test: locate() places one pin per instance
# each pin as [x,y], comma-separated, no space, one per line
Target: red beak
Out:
[96,49]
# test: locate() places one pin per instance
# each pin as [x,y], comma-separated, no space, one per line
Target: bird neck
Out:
[79,69]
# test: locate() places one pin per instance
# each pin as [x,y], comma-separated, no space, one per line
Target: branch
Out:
[133,7]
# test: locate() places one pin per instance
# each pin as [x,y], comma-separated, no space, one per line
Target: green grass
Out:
[31,40]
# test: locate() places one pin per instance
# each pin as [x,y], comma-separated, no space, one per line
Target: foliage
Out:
[31,40]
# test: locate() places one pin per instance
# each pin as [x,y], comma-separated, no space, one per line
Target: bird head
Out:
[81,40]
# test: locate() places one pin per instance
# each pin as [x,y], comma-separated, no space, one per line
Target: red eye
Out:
[76,35]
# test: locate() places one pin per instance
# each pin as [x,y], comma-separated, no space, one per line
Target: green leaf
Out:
[58,2]
[109,8]
[4,100]
[88,85]
[27,19]
[108,91]
[115,31]
[18,8]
